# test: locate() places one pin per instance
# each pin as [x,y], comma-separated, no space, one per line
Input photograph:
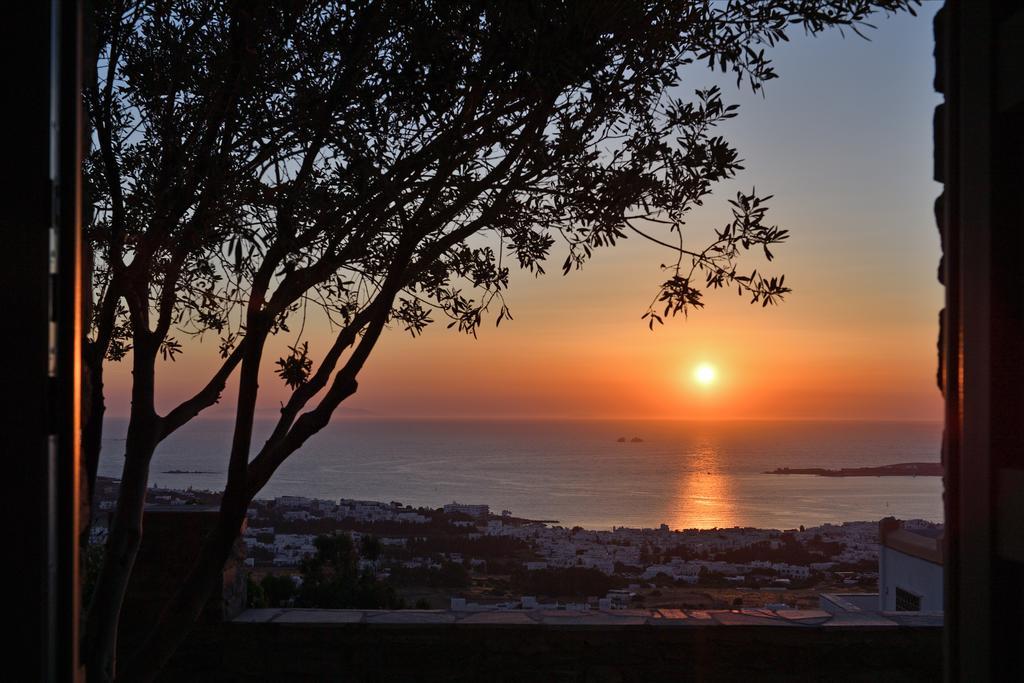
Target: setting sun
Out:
[704,374]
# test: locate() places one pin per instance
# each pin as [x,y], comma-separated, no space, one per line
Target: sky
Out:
[842,139]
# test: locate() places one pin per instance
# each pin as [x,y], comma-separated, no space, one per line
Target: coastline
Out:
[903,469]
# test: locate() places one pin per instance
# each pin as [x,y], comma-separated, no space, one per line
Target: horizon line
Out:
[570,418]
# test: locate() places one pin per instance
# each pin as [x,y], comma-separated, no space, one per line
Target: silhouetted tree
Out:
[448,575]
[576,582]
[369,547]
[331,579]
[271,591]
[383,163]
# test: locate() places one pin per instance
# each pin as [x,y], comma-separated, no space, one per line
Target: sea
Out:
[685,474]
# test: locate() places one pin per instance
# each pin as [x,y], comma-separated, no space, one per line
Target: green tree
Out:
[369,547]
[278,590]
[331,579]
[255,595]
[383,164]
[270,591]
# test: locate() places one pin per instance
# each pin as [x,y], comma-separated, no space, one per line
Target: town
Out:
[464,552]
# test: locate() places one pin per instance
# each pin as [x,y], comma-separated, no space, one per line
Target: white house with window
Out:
[909,568]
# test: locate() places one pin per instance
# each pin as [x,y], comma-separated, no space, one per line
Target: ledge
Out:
[603,619]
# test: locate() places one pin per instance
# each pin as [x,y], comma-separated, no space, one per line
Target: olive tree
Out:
[387,163]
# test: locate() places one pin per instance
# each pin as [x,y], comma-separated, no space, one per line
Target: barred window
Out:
[907,601]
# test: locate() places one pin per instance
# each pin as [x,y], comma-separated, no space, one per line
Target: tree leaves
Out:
[309,149]
[294,368]
[719,260]
[169,348]
[327,146]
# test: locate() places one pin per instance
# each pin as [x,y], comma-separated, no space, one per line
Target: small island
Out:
[188,472]
[903,469]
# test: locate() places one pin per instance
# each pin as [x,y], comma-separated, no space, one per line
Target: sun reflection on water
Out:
[704,495]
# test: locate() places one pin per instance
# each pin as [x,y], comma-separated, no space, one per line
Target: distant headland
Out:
[903,469]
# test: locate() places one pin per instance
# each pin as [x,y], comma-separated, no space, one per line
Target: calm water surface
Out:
[684,474]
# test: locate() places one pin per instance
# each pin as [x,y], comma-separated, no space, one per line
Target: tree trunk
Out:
[184,608]
[243,484]
[93,410]
[126,529]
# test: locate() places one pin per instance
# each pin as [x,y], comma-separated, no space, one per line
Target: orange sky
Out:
[843,141]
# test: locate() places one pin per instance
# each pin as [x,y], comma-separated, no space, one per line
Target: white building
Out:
[470,510]
[293,502]
[909,568]
[412,518]
[619,597]
[793,571]
[257,531]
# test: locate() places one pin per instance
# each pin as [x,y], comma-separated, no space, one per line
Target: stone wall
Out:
[173,536]
[617,646]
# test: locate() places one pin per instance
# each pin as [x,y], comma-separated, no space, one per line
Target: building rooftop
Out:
[924,545]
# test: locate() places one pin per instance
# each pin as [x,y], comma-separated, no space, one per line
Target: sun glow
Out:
[705,374]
